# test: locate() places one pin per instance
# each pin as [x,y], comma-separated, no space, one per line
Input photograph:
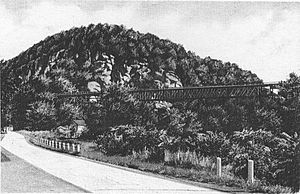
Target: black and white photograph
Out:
[142,97]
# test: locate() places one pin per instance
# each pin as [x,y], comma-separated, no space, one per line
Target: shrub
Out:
[288,166]
[41,116]
[68,112]
[122,140]
[276,158]
[253,145]
[115,108]
[181,131]
[215,144]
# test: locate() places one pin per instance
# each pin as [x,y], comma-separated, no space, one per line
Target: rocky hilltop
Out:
[113,54]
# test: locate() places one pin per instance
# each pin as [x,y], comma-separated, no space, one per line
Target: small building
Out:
[77,127]
[7,128]
[10,128]
[63,131]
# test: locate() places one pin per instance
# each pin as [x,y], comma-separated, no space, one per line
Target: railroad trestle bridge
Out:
[190,93]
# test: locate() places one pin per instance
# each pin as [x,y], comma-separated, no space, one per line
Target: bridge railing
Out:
[203,92]
[197,93]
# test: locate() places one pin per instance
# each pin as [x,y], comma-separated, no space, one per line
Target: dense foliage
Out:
[107,54]
[274,151]
[265,130]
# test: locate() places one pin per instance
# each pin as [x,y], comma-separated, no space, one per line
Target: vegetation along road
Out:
[93,177]
[177,134]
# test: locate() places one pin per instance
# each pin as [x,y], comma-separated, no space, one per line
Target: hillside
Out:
[113,54]
[264,129]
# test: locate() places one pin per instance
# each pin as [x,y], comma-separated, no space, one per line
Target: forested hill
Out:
[113,54]
[265,130]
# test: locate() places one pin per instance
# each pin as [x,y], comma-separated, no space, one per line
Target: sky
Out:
[263,37]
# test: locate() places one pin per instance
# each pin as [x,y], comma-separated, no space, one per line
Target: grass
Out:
[204,174]
[198,175]
[90,151]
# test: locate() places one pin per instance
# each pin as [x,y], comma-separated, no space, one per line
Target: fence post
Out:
[219,167]
[59,145]
[64,145]
[250,171]
[78,148]
[73,147]
[68,146]
[167,156]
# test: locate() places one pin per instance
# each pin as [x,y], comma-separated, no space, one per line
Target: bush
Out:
[122,140]
[41,116]
[215,144]
[116,108]
[253,145]
[67,112]
[276,158]
[181,131]
[288,166]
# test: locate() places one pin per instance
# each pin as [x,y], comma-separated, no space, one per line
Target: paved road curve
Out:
[91,176]
[18,176]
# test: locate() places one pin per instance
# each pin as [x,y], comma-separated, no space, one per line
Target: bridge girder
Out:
[188,93]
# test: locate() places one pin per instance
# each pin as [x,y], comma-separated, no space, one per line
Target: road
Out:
[18,176]
[92,176]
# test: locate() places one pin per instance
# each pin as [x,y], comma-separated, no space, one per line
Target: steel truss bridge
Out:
[190,93]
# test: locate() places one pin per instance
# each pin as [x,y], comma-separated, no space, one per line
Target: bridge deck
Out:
[203,92]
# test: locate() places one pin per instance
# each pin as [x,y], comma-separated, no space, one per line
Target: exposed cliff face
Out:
[108,54]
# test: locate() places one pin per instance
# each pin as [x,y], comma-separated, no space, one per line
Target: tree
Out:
[289,104]
[41,116]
